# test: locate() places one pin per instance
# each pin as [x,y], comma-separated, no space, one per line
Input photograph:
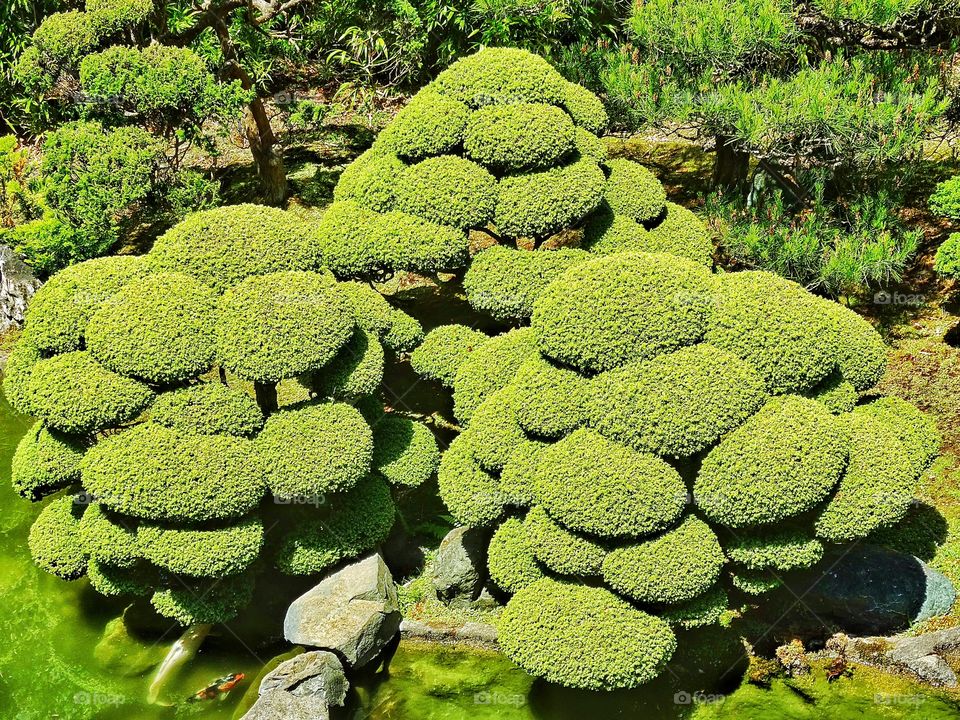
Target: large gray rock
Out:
[923,655]
[318,674]
[460,567]
[17,286]
[353,612]
[281,705]
[874,590]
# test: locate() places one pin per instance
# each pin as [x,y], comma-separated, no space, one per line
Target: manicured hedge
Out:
[589,145]
[494,433]
[394,328]
[16,374]
[561,550]
[776,325]
[755,582]
[156,473]
[779,463]
[521,136]
[583,637]
[158,329]
[705,609]
[550,400]
[593,485]
[60,310]
[208,408]
[430,124]
[355,371]
[860,352]
[118,13]
[74,394]
[204,601]
[501,76]
[354,241]
[45,461]
[405,333]
[605,233]
[55,541]
[538,204]
[585,108]
[404,452]
[681,233]
[835,394]
[634,191]
[215,552]
[112,581]
[947,260]
[779,550]
[488,368]
[504,283]
[65,37]
[916,431]
[518,477]
[312,450]
[510,558]
[222,246]
[472,495]
[110,539]
[676,404]
[444,350]
[371,181]
[355,522]
[276,326]
[448,190]
[674,567]
[878,486]
[606,312]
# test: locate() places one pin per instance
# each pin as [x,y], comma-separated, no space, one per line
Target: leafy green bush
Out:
[519,474]
[405,452]
[471,494]
[113,581]
[681,233]
[394,328]
[497,76]
[550,401]
[355,371]
[674,567]
[204,602]
[860,351]
[781,551]
[119,13]
[44,462]
[880,13]
[947,261]
[494,432]
[208,408]
[510,558]
[585,108]
[945,200]
[66,37]
[444,350]
[447,190]
[110,539]
[214,553]
[313,450]
[371,181]
[430,124]
[634,191]
[835,393]
[779,463]
[703,610]
[55,540]
[583,637]
[916,431]
[508,138]
[593,485]
[488,368]
[562,551]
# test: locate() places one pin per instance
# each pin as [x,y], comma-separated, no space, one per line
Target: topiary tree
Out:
[155,384]
[659,438]
[945,201]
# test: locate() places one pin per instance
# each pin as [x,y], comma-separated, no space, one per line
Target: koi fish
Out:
[218,688]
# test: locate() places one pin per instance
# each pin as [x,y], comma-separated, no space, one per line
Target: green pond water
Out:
[65,653]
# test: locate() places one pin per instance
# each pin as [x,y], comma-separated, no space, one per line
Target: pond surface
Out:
[66,654]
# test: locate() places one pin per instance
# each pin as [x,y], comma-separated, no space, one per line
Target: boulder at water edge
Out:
[461,563]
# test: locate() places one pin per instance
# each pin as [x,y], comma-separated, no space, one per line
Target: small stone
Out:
[318,674]
[17,286]
[460,566]
[281,705]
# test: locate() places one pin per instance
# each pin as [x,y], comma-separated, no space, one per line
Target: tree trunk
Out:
[266,396]
[731,167]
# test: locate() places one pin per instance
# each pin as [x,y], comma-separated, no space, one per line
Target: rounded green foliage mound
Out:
[44,462]
[405,452]
[505,283]
[676,404]
[681,233]
[860,351]
[589,145]
[444,350]
[947,260]
[448,190]
[835,394]
[68,36]
[775,325]
[916,431]
[158,329]
[488,368]
[550,400]
[520,473]
[221,247]
[605,233]
[316,449]
[208,408]
[394,328]
[55,541]
[523,136]
[355,371]
[61,309]
[212,553]
[945,200]
[156,473]
[583,637]
[878,486]
[755,582]
[585,108]
[675,567]
[779,463]
[280,325]
[494,432]
[118,13]
[355,521]
[472,495]
[430,124]
[371,181]
[16,374]
[109,538]
[497,76]
[204,602]
[113,581]
[703,610]
[73,393]
[785,550]
[510,558]
[538,204]
[405,333]
[354,241]
[615,309]
[592,485]
[632,190]
[562,551]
